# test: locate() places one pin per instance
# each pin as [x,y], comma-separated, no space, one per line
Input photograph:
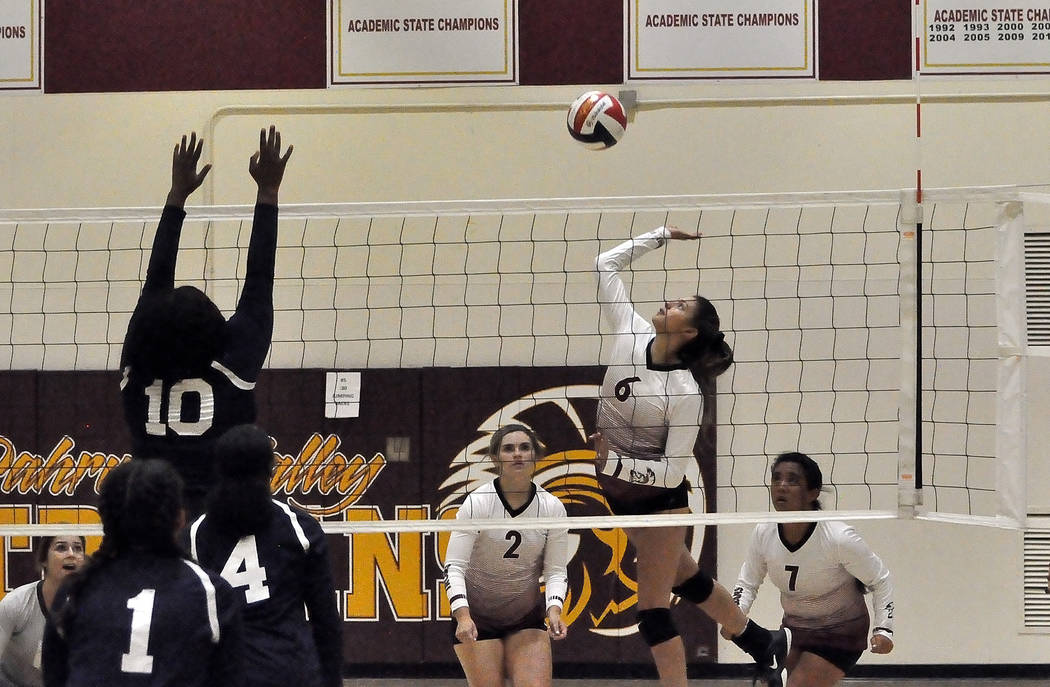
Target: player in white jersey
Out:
[649,417]
[23,611]
[493,576]
[822,570]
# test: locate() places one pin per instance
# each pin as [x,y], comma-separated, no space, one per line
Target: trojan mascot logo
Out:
[602,587]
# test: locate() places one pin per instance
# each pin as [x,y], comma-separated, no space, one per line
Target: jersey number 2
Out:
[514,537]
[155,395]
[242,569]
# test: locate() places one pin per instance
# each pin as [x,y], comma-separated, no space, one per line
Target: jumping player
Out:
[822,570]
[188,374]
[492,577]
[139,612]
[276,559]
[649,417]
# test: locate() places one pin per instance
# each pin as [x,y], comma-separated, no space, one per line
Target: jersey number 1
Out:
[155,395]
[137,658]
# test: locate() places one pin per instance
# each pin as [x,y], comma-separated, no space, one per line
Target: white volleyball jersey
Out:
[818,578]
[649,413]
[497,573]
[21,631]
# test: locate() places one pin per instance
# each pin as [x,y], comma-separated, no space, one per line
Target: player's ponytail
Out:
[707,354]
[240,503]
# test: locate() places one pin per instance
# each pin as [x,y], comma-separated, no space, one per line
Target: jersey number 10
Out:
[155,426]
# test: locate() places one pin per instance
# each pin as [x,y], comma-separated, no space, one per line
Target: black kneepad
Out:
[696,589]
[656,626]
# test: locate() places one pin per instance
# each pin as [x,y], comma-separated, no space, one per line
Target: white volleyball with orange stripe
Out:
[597,120]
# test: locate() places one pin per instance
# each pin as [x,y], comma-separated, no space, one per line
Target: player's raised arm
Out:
[267,165]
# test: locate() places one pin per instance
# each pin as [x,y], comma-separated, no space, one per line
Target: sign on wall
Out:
[990,37]
[719,39]
[423,41]
[20,44]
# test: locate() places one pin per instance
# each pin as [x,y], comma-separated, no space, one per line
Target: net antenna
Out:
[880,335]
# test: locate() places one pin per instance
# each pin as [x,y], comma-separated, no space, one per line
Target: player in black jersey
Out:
[276,558]
[188,373]
[140,613]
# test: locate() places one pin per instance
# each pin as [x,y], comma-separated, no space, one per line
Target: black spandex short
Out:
[535,620]
[664,500]
[843,659]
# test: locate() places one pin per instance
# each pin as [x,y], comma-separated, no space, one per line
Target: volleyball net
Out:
[410,332]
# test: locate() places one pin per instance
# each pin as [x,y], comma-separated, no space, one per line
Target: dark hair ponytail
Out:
[140,503]
[707,354]
[240,503]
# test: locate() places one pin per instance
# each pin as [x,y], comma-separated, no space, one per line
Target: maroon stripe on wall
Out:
[864,40]
[181,45]
[570,42]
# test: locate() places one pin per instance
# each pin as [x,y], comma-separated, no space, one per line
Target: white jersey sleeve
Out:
[457,558]
[752,573]
[860,561]
[556,557]
[615,305]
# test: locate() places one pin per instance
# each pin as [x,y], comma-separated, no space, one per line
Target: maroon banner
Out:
[413,453]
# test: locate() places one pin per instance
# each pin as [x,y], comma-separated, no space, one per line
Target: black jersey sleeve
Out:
[160,273]
[251,326]
[54,652]
[319,597]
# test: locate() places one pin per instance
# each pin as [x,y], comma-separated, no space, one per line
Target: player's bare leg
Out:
[528,658]
[656,548]
[810,670]
[482,662]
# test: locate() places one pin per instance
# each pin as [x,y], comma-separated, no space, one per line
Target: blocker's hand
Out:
[185,179]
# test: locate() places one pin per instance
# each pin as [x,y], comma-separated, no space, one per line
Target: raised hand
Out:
[185,179]
[680,235]
[267,165]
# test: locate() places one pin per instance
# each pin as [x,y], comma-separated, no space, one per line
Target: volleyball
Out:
[597,120]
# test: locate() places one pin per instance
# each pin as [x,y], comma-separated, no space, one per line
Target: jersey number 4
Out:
[156,426]
[242,569]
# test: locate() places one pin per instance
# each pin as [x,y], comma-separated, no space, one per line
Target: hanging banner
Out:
[20,45]
[720,39]
[413,451]
[996,37]
[423,41]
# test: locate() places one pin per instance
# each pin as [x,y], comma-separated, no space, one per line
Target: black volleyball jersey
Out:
[144,620]
[179,420]
[278,572]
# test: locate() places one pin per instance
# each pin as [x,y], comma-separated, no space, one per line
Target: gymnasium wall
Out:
[125,81]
